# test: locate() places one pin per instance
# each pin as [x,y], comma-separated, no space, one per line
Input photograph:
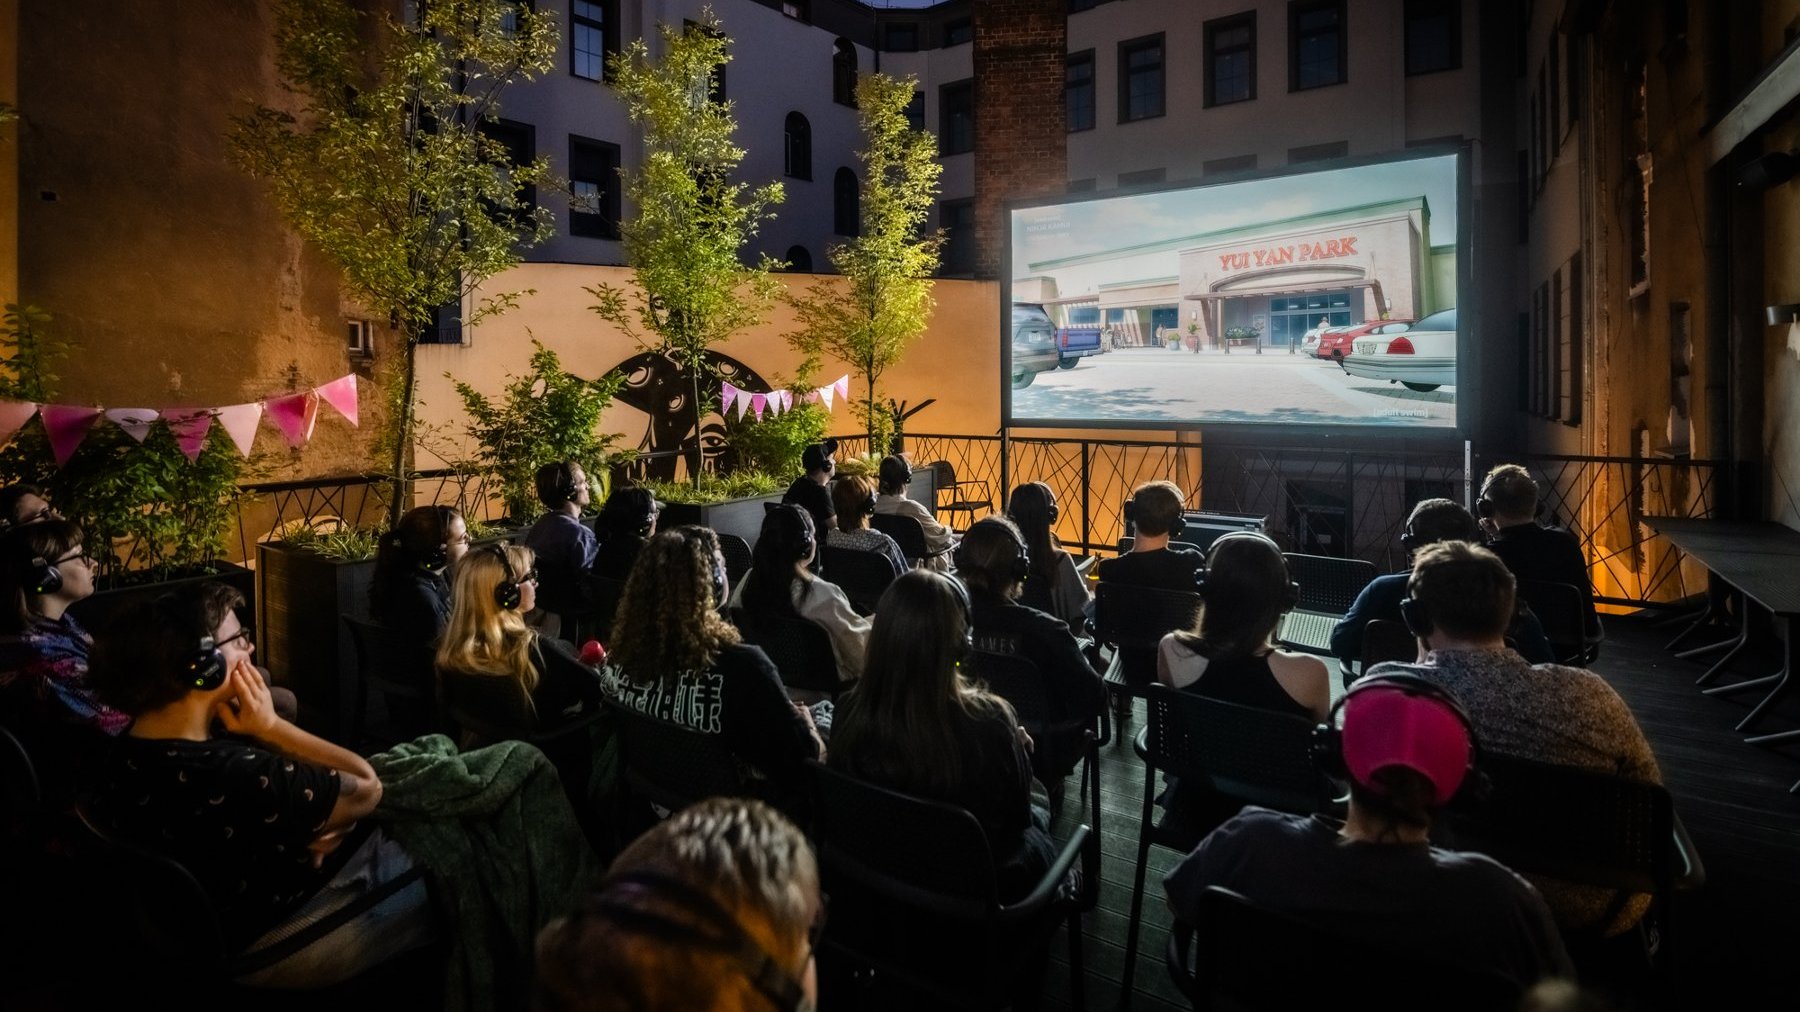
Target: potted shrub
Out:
[728,503]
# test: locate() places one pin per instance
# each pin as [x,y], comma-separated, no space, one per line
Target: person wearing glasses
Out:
[565,546]
[410,597]
[717,907]
[24,503]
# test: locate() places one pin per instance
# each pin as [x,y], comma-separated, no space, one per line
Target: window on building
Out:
[959,31]
[1231,59]
[1571,353]
[445,326]
[797,143]
[900,37]
[957,218]
[1141,78]
[519,141]
[846,203]
[1142,177]
[1318,152]
[956,117]
[717,91]
[1078,90]
[1084,316]
[799,260]
[591,37]
[1228,166]
[1433,36]
[799,10]
[593,188]
[1556,110]
[915,111]
[1082,185]
[1316,53]
[843,73]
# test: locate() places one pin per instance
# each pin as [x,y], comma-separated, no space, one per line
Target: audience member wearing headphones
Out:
[853,498]
[1461,599]
[915,724]
[626,523]
[1431,521]
[675,657]
[265,819]
[1152,562]
[410,597]
[780,586]
[716,907]
[809,491]
[43,650]
[23,503]
[565,547]
[492,665]
[1405,749]
[1056,586]
[1509,507]
[896,474]
[993,561]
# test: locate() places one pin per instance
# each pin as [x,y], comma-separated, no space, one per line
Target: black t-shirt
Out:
[812,497]
[415,611]
[1171,568]
[1549,554]
[1414,899]
[740,697]
[617,554]
[238,817]
[1071,685]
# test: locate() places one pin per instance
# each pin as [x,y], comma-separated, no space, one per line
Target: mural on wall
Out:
[660,387]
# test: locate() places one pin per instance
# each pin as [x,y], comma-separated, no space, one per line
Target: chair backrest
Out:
[168,919]
[1563,614]
[1125,544]
[1572,824]
[1246,956]
[1387,640]
[737,557]
[907,532]
[1237,521]
[944,472]
[21,795]
[863,576]
[1139,617]
[1259,757]
[1329,584]
[674,766]
[380,659]
[800,649]
[1016,680]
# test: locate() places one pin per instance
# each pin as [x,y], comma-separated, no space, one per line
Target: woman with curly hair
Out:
[673,656]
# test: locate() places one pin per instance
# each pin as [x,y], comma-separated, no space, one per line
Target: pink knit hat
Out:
[1386,726]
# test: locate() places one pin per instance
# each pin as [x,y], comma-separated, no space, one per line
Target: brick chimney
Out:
[1020,129]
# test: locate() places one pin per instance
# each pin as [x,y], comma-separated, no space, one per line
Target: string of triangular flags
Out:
[777,401]
[293,413]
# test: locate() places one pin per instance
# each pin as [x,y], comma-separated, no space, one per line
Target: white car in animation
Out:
[1422,357]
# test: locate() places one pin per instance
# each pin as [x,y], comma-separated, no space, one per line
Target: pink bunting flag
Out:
[135,421]
[727,394]
[787,400]
[239,422]
[340,393]
[774,402]
[825,395]
[189,426]
[843,386]
[12,415]
[67,426]
[757,403]
[812,397]
[295,415]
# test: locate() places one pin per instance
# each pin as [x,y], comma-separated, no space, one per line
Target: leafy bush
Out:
[346,545]
[546,415]
[715,488]
[775,444]
[1242,333]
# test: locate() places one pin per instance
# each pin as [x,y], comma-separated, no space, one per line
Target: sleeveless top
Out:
[1246,681]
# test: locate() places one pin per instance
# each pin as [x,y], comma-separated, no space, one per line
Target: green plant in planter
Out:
[716,488]
[346,545]
[546,415]
[29,348]
[1242,333]
[774,444]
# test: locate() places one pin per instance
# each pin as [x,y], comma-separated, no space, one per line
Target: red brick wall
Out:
[1019,126]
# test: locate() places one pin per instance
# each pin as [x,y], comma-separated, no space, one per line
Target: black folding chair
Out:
[21,794]
[1133,620]
[737,557]
[1240,753]
[1384,640]
[951,497]
[800,649]
[1328,586]
[908,533]
[1240,956]
[1019,682]
[916,901]
[1563,613]
[384,663]
[672,766]
[863,576]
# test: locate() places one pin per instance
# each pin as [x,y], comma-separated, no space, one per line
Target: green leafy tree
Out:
[389,167]
[546,415]
[775,444]
[685,239]
[884,299]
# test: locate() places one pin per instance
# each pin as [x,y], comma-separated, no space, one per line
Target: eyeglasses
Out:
[78,552]
[531,575]
[245,634]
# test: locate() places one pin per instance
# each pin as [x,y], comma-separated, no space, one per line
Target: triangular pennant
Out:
[135,421]
[189,426]
[843,386]
[727,394]
[239,422]
[774,402]
[12,415]
[67,426]
[743,403]
[825,395]
[340,393]
[757,403]
[812,397]
[787,400]
[295,415]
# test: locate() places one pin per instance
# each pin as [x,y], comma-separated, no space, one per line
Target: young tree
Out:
[691,222]
[389,167]
[884,300]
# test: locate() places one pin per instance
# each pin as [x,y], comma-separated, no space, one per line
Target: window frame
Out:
[611,189]
[609,14]
[1070,62]
[1300,8]
[946,92]
[796,146]
[1127,49]
[846,206]
[946,266]
[1420,10]
[844,72]
[1211,31]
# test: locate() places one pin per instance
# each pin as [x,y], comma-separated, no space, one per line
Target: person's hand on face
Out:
[246,707]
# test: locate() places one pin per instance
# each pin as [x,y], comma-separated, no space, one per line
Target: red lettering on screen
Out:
[1274,256]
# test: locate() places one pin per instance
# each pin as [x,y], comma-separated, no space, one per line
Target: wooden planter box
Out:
[96,611]
[300,636]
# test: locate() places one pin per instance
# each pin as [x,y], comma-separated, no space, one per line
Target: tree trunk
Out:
[398,493]
[699,446]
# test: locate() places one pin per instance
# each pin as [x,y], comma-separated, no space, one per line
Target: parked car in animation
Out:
[1034,347]
[1337,343]
[1076,343]
[1422,357]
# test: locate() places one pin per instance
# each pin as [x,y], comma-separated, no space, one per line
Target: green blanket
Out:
[493,829]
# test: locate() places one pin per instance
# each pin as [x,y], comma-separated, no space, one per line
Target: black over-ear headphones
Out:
[436,555]
[42,576]
[967,645]
[1416,616]
[1017,569]
[868,505]
[805,534]
[1290,592]
[1327,744]
[1410,541]
[204,667]
[718,930]
[565,481]
[506,593]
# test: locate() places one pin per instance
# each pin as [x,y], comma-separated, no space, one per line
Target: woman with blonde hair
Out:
[673,656]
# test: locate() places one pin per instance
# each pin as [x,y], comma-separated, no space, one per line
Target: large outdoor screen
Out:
[1324,298]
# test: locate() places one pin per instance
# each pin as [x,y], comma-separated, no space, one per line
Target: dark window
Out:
[1433,36]
[843,73]
[1231,59]
[1318,152]
[799,260]
[1142,177]
[959,31]
[1078,90]
[1141,78]
[520,143]
[958,220]
[1082,5]
[1572,83]
[915,111]
[717,92]
[1228,166]
[956,118]
[900,38]
[592,35]
[1572,337]
[1316,55]
[800,10]
[445,326]
[797,143]
[1081,185]
[846,203]
[1524,195]
[593,188]
[1556,111]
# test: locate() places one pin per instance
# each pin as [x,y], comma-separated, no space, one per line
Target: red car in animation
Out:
[1335,342]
